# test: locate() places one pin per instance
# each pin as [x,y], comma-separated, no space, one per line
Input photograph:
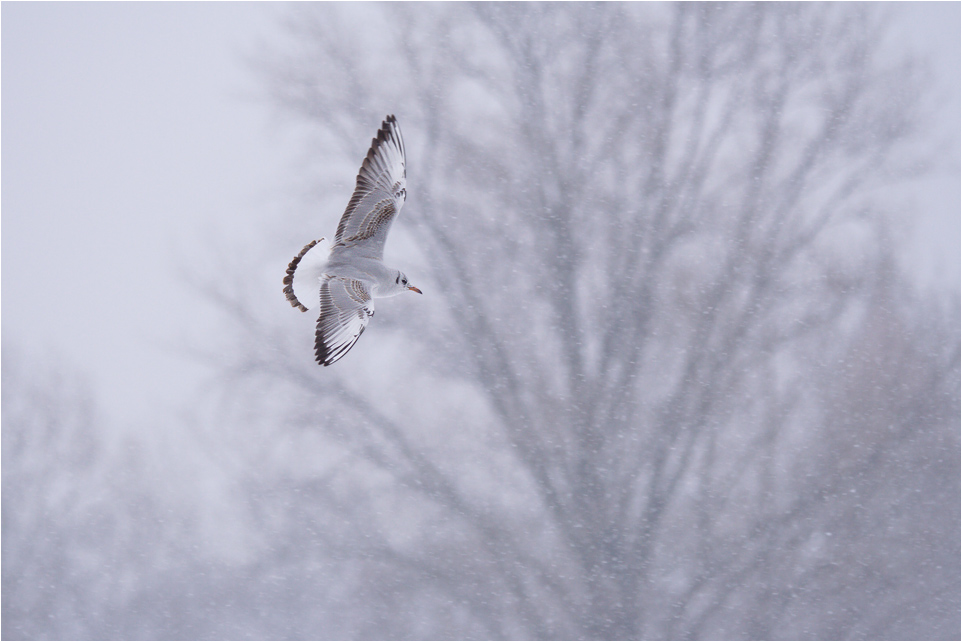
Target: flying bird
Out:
[346,281]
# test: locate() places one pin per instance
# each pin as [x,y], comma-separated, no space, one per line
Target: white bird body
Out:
[384,281]
[345,279]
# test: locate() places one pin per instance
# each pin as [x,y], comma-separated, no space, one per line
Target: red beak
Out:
[414,289]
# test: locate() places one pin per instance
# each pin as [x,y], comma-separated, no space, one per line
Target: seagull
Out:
[353,274]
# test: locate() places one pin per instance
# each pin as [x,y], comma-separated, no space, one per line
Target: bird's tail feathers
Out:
[302,280]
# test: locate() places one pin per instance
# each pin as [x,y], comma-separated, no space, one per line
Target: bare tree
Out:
[647,231]
[88,536]
[51,453]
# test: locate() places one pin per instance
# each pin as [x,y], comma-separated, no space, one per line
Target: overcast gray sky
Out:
[128,132]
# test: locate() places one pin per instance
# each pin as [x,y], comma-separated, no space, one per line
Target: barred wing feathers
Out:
[378,196]
[346,308]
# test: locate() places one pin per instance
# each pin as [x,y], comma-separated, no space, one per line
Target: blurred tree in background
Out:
[637,402]
[665,381]
[50,452]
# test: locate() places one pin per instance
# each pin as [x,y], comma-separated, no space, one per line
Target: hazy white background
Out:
[132,133]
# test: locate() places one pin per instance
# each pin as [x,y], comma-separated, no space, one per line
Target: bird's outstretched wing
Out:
[378,196]
[346,307]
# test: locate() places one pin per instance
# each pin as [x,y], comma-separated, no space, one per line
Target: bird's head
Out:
[403,283]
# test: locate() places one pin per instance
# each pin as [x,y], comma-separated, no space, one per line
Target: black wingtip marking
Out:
[389,131]
[388,125]
[326,357]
